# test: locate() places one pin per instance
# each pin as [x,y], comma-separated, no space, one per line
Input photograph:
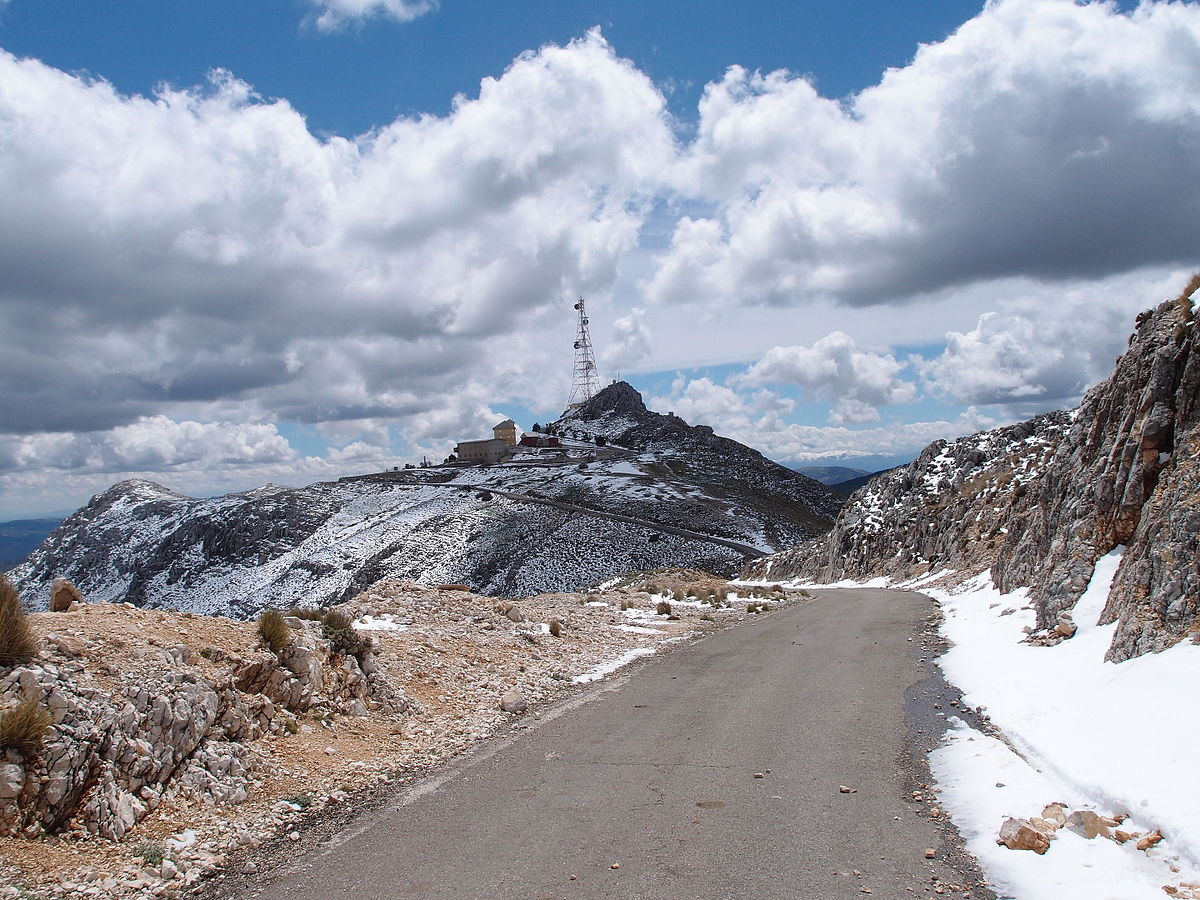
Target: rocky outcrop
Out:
[952,507]
[1040,502]
[619,414]
[161,729]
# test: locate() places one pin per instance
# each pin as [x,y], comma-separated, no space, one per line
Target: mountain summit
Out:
[656,492]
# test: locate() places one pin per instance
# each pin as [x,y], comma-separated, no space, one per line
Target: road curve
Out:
[645,786]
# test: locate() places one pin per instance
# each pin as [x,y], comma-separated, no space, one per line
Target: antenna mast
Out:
[585,383]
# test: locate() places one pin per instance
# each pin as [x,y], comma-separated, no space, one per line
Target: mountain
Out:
[20,537]
[831,475]
[1040,502]
[850,485]
[787,500]
[672,495]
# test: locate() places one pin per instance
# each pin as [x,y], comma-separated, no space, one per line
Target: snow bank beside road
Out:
[1116,738]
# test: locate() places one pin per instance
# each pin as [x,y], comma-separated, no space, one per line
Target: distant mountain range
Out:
[831,475]
[20,537]
[661,493]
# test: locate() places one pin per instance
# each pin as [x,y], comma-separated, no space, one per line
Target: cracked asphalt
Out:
[711,772]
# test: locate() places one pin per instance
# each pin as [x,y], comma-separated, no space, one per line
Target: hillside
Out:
[678,497]
[1040,502]
[180,740]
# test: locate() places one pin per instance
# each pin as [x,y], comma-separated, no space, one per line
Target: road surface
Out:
[645,786]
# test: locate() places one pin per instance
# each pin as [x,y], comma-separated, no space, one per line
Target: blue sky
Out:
[285,241]
[365,74]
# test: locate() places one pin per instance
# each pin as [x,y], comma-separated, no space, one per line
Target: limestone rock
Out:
[1040,502]
[1019,834]
[1088,824]
[513,702]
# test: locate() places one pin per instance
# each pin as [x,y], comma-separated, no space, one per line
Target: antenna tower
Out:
[585,383]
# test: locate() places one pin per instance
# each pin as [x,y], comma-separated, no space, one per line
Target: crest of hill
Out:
[619,414]
[537,524]
[1040,502]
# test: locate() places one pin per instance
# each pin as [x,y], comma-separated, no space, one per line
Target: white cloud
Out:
[1045,138]
[220,253]
[856,382]
[153,443]
[759,419]
[1044,344]
[335,14]
[630,342]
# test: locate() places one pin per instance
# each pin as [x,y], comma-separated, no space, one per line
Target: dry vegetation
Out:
[17,641]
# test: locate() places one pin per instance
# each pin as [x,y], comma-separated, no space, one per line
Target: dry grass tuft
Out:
[23,727]
[18,643]
[274,631]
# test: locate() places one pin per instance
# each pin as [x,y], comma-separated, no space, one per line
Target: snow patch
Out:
[612,665]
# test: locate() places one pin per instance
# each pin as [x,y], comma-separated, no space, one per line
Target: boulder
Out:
[513,702]
[1019,834]
[1088,824]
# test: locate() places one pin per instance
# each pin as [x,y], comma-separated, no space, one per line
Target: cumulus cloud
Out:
[151,444]
[760,419]
[1044,346]
[334,14]
[1044,138]
[221,253]
[630,342]
[856,382]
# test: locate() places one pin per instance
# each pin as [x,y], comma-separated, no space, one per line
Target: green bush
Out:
[18,643]
[151,854]
[339,631]
[23,727]
[274,631]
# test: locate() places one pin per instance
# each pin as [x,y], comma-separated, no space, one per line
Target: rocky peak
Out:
[619,414]
[619,397]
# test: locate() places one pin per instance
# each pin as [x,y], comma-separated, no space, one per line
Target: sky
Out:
[291,240]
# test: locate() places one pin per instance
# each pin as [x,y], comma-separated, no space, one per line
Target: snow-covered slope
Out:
[533,525]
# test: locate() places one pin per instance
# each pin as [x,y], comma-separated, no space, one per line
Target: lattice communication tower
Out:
[585,383]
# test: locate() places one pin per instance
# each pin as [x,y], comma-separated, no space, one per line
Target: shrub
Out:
[274,631]
[339,631]
[18,643]
[151,854]
[63,594]
[556,627]
[663,608]
[23,727]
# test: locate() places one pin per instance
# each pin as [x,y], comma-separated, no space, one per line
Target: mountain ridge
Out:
[1038,503]
[680,496]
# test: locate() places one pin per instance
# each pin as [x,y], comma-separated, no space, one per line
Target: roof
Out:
[506,422]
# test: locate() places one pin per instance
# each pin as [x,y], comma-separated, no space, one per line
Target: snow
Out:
[612,665]
[1116,738]
[386,622]
[637,629]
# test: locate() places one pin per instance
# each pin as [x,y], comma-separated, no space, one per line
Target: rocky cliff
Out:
[1038,503]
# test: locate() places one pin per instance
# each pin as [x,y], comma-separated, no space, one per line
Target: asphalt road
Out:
[644,786]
